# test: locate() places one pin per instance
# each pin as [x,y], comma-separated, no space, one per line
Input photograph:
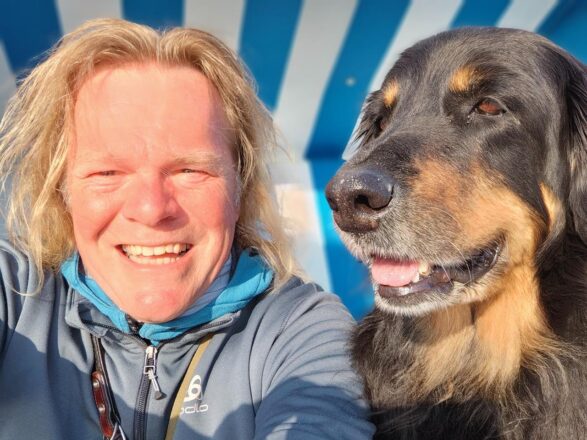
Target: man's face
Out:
[152,186]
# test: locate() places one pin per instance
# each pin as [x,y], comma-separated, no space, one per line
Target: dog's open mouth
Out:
[399,278]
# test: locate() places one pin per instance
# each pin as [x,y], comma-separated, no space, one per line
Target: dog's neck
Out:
[483,346]
[481,351]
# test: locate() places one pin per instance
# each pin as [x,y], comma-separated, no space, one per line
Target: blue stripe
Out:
[571,31]
[373,27]
[566,26]
[266,39]
[480,13]
[28,28]
[556,16]
[349,278]
[155,13]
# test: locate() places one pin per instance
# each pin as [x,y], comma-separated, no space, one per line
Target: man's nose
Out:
[150,200]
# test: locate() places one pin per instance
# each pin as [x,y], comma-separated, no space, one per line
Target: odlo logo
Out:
[193,400]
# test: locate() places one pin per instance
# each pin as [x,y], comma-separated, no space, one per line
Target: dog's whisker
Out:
[464,260]
[448,214]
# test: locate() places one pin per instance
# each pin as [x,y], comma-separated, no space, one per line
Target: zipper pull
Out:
[133,325]
[150,370]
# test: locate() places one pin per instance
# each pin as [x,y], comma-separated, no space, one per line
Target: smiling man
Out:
[147,291]
[153,195]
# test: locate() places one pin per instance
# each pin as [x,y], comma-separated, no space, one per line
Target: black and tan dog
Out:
[467,198]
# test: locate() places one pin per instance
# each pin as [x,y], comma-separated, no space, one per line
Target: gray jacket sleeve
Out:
[16,276]
[311,391]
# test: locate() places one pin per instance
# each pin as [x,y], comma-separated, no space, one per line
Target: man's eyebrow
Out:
[214,161]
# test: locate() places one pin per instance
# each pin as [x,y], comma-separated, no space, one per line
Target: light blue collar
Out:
[251,278]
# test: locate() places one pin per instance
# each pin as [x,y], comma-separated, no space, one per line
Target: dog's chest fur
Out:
[546,401]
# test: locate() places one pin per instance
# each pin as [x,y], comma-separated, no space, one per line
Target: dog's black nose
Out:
[357,196]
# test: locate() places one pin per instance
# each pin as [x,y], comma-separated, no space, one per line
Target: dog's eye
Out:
[489,107]
[381,123]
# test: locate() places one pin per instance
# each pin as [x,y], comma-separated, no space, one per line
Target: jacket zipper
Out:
[148,380]
[149,377]
[150,370]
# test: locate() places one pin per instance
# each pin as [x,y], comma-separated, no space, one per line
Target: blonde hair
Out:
[37,124]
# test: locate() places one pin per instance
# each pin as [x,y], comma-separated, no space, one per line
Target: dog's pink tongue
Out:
[393,273]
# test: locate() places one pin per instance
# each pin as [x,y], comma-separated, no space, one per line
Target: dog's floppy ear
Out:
[576,100]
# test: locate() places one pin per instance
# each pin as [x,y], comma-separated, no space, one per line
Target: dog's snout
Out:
[358,196]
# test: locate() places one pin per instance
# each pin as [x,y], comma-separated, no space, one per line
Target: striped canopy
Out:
[314,62]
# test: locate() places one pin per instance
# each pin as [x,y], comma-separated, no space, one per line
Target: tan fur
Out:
[481,206]
[509,325]
[390,94]
[445,354]
[553,207]
[464,78]
[438,183]
[480,346]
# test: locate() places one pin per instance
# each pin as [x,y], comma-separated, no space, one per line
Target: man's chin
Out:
[153,316]
[155,309]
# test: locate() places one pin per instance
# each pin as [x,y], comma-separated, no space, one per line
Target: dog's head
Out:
[471,161]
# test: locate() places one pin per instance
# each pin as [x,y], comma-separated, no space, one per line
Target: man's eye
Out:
[198,171]
[106,173]
[192,175]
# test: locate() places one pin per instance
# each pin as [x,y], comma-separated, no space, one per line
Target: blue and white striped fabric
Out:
[314,62]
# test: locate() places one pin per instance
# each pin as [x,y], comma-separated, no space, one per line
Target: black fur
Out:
[541,139]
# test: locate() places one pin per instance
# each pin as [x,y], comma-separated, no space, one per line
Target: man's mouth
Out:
[404,277]
[162,254]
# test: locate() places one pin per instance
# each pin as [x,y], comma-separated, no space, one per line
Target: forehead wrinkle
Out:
[197,158]
[91,155]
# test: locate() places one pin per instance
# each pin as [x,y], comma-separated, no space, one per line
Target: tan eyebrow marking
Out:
[390,93]
[464,79]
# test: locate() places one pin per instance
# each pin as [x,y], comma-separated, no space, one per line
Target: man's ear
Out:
[576,100]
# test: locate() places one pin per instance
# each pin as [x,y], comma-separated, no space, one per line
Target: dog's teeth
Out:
[424,268]
[416,278]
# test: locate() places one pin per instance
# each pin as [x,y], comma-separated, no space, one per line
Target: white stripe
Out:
[422,19]
[72,13]
[526,14]
[318,39]
[222,18]
[297,199]
[7,80]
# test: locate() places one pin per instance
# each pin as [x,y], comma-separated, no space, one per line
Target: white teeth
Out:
[416,278]
[149,251]
[153,261]
[424,268]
